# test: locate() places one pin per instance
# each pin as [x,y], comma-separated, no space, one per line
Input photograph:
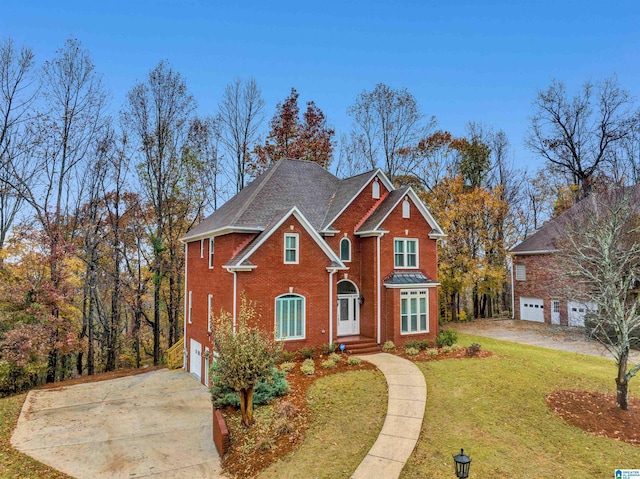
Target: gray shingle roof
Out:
[318,194]
[546,238]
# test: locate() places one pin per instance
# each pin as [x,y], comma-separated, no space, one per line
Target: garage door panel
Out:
[532,309]
[577,311]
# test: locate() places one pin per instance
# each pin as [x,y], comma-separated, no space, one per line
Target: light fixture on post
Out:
[462,463]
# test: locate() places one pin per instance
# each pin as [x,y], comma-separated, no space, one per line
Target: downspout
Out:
[331,273]
[235,296]
[379,301]
[186,288]
[513,298]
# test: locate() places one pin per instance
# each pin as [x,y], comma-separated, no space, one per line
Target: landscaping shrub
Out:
[287,366]
[328,364]
[328,348]
[446,337]
[334,357]
[308,367]
[264,392]
[446,349]
[353,361]
[432,353]
[306,352]
[287,409]
[412,351]
[418,344]
[455,347]
[388,346]
[288,356]
[473,350]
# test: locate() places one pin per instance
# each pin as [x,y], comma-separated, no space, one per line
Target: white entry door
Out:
[195,358]
[348,315]
[555,311]
[532,309]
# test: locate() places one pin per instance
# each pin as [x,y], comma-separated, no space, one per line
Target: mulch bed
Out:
[598,414]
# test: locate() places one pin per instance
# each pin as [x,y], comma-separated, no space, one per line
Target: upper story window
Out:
[345,249]
[406,209]
[202,248]
[210,313]
[521,272]
[290,317]
[291,248]
[375,189]
[405,253]
[190,308]
[211,248]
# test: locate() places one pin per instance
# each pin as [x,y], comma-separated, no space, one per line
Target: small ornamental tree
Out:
[246,355]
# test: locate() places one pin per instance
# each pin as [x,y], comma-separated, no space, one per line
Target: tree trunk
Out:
[246,406]
[454,307]
[622,385]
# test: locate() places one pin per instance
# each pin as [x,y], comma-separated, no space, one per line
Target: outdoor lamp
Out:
[462,462]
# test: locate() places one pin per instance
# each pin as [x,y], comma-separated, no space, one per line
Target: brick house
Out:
[327,260]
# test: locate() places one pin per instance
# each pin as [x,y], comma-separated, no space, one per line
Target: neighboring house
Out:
[327,260]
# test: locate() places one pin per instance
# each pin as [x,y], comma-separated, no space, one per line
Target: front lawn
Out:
[495,409]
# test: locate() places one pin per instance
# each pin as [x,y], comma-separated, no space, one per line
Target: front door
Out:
[348,315]
[195,361]
[555,311]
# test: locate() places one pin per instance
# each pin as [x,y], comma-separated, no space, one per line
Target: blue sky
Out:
[463,60]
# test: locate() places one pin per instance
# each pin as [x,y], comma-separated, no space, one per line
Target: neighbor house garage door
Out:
[195,358]
[532,309]
[578,310]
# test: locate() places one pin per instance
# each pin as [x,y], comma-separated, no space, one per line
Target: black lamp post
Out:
[462,462]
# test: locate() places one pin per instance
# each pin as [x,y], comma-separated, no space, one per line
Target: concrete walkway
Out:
[156,424]
[402,426]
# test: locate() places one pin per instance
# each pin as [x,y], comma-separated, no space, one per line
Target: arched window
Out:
[345,249]
[406,209]
[290,317]
[375,189]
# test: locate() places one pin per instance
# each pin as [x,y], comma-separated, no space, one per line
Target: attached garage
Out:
[578,310]
[195,358]
[532,309]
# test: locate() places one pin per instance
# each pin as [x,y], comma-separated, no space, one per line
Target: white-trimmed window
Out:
[202,248]
[210,313]
[290,317]
[190,307]
[405,253]
[521,272]
[291,249]
[414,311]
[406,209]
[345,249]
[375,189]
[211,251]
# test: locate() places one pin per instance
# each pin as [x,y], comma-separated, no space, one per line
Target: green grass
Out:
[495,409]
[348,411]
[14,464]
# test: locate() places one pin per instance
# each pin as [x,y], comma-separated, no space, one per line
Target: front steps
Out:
[358,345]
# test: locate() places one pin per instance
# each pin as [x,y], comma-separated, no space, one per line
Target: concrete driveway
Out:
[156,424]
[562,338]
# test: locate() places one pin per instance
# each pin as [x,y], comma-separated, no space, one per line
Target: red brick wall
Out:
[220,433]
[543,281]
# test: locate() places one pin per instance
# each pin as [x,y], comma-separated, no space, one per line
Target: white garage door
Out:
[195,358]
[578,310]
[532,309]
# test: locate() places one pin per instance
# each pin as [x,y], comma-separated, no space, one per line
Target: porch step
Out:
[359,345]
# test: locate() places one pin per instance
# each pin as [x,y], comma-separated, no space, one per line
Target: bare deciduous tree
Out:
[579,135]
[601,257]
[385,122]
[240,113]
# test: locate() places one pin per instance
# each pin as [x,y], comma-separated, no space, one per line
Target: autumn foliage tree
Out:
[289,137]
[247,355]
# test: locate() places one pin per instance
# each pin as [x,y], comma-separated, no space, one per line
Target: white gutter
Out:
[513,298]
[379,285]
[331,273]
